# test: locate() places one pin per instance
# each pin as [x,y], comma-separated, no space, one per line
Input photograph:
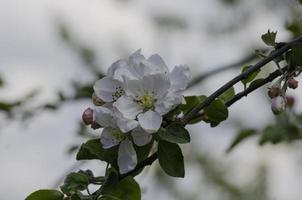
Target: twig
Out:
[206,75]
[237,97]
[238,78]
[195,112]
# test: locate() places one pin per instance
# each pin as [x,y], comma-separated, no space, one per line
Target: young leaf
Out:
[74,182]
[126,189]
[216,112]
[171,159]
[294,57]
[93,149]
[45,195]
[191,102]
[174,133]
[227,95]
[251,77]
[269,38]
[243,134]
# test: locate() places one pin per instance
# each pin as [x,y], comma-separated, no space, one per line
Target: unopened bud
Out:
[274,92]
[278,105]
[292,83]
[96,100]
[87,116]
[290,101]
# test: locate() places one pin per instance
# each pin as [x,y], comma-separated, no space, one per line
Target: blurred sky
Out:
[204,34]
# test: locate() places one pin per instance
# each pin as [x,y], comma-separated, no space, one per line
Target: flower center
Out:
[118,92]
[146,101]
[118,135]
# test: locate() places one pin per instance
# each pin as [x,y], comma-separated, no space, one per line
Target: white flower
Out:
[115,133]
[137,93]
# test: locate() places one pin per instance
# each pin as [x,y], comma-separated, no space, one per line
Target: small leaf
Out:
[269,38]
[294,57]
[93,149]
[171,159]
[45,195]
[256,82]
[174,133]
[74,182]
[251,77]
[216,112]
[243,134]
[126,189]
[227,95]
[191,102]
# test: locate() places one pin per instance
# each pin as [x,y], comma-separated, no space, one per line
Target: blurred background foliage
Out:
[212,177]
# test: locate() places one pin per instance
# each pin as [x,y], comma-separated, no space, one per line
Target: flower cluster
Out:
[131,101]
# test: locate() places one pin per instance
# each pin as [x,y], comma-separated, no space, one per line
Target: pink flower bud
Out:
[278,105]
[87,116]
[290,101]
[292,83]
[274,91]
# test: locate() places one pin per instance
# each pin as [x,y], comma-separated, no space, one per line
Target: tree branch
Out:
[271,77]
[239,63]
[195,112]
[244,75]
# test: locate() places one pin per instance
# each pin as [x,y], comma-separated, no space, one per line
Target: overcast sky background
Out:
[33,154]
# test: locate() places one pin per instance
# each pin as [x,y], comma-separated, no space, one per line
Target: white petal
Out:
[106,88]
[141,137]
[180,78]
[168,102]
[126,125]
[136,57]
[158,84]
[128,107]
[134,88]
[104,117]
[158,64]
[107,138]
[127,159]
[150,121]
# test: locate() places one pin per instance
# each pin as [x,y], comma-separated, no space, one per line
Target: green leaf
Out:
[295,27]
[227,95]
[269,38]
[294,57]
[251,77]
[108,197]
[256,82]
[74,182]
[45,195]
[243,134]
[142,153]
[111,181]
[126,189]
[171,159]
[93,149]
[174,133]
[216,112]
[191,102]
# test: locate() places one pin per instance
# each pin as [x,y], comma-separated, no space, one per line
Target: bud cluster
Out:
[278,95]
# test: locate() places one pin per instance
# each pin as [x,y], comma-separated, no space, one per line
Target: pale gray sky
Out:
[32,56]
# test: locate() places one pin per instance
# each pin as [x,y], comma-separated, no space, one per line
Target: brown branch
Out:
[217,70]
[275,54]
